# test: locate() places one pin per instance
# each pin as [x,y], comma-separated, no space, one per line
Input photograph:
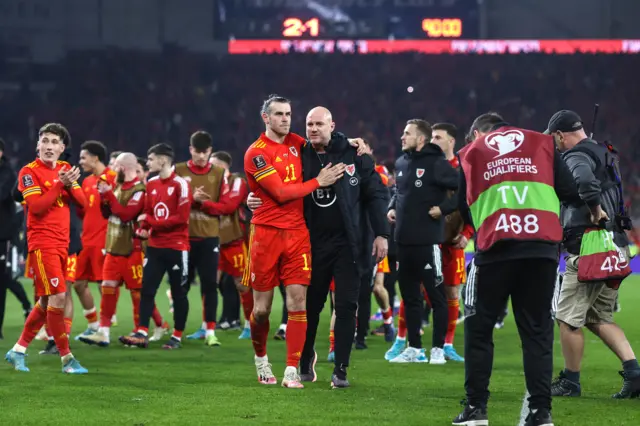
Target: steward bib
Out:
[509,176]
[601,259]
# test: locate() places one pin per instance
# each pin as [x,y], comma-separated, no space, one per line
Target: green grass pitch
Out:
[198,385]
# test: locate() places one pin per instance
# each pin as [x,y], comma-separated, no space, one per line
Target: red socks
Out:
[135,302]
[402,325]
[107,305]
[247,303]
[332,341]
[67,325]
[296,335]
[55,321]
[211,325]
[259,335]
[91,315]
[157,318]
[36,319]
[387,316]
[453,309]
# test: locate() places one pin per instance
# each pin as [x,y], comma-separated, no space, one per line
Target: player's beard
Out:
[120,177]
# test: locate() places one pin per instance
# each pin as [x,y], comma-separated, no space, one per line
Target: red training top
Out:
[167,207]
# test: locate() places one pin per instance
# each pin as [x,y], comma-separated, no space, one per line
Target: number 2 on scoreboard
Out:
[294,27]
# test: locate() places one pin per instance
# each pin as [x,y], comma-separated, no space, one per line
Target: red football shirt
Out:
[274,174]
[47,203]
[94,225]
[167,207]
[384,174]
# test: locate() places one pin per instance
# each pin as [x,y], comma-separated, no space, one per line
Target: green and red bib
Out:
[601,259]
[509,176]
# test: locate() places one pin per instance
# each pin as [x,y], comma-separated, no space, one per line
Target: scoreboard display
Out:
[347,19]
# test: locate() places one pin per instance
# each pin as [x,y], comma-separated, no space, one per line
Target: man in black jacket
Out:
[8,179]
[424,179]
[343,221]
[340,220]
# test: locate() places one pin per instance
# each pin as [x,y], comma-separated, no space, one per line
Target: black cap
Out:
[564,121]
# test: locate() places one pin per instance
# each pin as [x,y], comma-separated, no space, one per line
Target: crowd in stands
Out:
[130,100]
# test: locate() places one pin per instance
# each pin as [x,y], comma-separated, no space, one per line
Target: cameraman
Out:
[595,170]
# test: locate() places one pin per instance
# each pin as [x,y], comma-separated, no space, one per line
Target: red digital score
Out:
[295,27]
[442,28]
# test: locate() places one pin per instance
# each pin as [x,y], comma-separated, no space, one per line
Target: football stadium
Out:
[229,212]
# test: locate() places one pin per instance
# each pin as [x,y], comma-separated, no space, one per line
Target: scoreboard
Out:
[347,19]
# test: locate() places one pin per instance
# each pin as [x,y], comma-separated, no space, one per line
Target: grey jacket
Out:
[575,217]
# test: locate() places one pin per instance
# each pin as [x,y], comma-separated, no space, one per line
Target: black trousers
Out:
[203,260]
[364,305]
[336,263]
[230,299]
[530,283]
[391,278]
[175,264]
[422,265]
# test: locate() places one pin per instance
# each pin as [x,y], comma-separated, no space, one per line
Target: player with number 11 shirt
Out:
[279,246]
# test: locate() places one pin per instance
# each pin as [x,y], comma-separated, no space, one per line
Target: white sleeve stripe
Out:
[184,187]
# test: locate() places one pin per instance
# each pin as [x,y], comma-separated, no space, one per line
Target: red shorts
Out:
[72,263]
[277,256]
[233,258]
[124,269]
[383,266]
[90,264]
[454,270]
[48,268]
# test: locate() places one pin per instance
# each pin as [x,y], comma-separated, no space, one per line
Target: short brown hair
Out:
[223,156]
[484,123]
[57,129]
[423,127]
[447,127]
[273,98]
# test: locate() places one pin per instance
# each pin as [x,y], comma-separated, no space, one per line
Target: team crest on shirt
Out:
[350,169]
[170,190]
[293,150]
[54,282]
[419,172]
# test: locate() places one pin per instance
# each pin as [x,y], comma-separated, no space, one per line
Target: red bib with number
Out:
[510,187]
[601,259]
